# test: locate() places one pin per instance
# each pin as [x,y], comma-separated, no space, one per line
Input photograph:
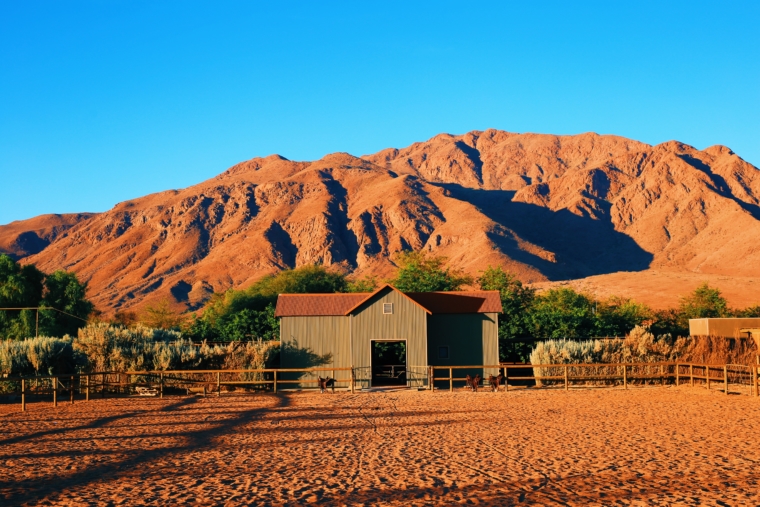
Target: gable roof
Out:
[381,289]
[313,305]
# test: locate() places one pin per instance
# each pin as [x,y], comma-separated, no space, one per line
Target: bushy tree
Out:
[424,272]
[366,284]
[562,313]
[247,314]
[67,296]
[303,280]
[20,287]
[28,287]
[704,302]
[618,316]
[161,315]
[515,320]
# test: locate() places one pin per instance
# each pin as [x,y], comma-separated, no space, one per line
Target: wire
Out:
[38,308]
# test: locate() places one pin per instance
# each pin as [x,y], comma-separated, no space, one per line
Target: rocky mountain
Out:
[27,237]
[545,207]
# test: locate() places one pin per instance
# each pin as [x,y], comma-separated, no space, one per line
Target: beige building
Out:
[728,328]
[388,336]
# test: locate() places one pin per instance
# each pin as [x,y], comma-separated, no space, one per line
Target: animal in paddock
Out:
[324,383]
[472,383]
[495,382]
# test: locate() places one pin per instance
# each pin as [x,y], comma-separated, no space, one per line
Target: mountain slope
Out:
[545,207]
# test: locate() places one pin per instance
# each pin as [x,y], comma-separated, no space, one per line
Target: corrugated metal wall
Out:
[315,342]
[408,322]
[472,339]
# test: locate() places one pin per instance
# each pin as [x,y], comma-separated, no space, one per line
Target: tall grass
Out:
[640,346]
[42,355]
[103,348]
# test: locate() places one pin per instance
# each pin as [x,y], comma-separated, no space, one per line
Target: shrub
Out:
[13,359]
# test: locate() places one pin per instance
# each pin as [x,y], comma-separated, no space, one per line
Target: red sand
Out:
[652,446]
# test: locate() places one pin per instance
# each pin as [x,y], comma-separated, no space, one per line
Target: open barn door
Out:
[388,363]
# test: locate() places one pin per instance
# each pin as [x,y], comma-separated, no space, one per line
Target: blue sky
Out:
[103,101]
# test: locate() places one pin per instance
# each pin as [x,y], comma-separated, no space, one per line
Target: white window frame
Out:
[386,305]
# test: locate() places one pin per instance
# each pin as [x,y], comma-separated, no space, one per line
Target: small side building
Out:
[388,336]
[727,328]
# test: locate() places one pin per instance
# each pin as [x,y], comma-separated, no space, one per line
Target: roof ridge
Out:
[312,294]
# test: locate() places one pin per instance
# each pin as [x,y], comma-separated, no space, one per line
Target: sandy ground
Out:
[646,446]
[664,289]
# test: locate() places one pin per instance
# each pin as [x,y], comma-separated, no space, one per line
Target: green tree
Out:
[67,296]
[749,312]
[303,280]
[249,324]
[617,316]
[20,287]
[704,302]
[244,314]
[563,313]
[515,320]
[366,284]
[423,272]
[161,315]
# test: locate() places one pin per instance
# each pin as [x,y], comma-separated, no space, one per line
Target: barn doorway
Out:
[388,363]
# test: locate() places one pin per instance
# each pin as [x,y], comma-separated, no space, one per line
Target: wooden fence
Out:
[741,377]
[731,377]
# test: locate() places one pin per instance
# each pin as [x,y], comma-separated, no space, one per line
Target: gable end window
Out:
[387,308]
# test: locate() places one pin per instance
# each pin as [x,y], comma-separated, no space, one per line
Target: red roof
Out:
[305,305]
[475,301]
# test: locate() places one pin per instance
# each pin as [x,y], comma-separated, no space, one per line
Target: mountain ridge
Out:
[545,207]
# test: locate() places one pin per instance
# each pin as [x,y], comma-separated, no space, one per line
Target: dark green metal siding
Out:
[472,338]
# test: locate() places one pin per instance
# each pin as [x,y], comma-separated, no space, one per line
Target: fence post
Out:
[707,376]
[678,383]
[23,395]
[754,376]
[506,379]
[625,376]
[71,390]
[725,378]
[87,388]
[566,378]
[662,375]
[274,388]
[451,379]
[55,391]
[691,374]
[353,381]
[161,380]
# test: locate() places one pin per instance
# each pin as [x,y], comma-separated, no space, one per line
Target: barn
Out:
[390,337]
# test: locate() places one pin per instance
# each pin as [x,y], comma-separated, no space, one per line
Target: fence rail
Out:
[731,377]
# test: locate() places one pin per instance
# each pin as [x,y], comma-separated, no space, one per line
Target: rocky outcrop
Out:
[545,207]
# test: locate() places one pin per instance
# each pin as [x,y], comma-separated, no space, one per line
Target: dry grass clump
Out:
[719,350]
[103,348]
[42,355]
[639,346]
